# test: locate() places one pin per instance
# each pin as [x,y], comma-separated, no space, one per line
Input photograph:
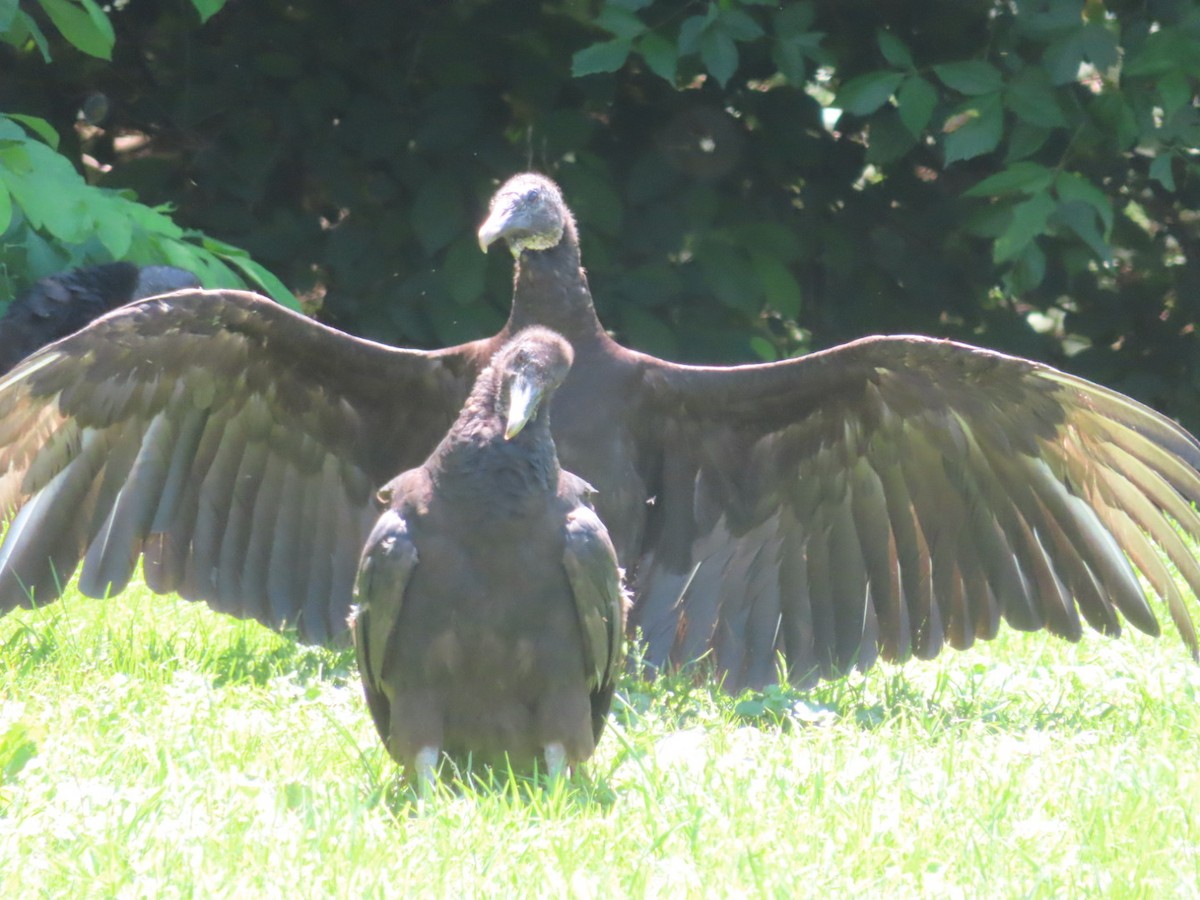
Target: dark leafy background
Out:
[752,180]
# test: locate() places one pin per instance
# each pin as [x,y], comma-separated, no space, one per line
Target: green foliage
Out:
[51,218]
[1018,175]
[84,24]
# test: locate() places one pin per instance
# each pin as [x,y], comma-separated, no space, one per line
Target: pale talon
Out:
[556,760]
[426,774]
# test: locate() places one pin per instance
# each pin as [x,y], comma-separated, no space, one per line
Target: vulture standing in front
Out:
[885,497]
[63,303]
[490,618]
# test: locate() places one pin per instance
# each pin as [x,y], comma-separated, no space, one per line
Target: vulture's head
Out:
[529,367]
[528,212]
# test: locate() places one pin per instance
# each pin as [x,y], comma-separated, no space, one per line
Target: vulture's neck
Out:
[551,289]
[505,477]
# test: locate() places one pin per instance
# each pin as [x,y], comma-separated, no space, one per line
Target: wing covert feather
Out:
[591,565]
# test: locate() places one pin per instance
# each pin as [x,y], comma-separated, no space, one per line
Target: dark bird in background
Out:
[61,304]
[885,497]
[490,616]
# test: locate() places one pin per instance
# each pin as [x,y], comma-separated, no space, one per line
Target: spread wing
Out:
[232,444]
[896,494]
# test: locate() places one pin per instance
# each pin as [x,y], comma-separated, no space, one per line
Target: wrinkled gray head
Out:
[530,367]
[154,280]
[528,212]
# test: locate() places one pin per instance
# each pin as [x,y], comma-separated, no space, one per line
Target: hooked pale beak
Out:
[495,226]
[523,399]
[506,218]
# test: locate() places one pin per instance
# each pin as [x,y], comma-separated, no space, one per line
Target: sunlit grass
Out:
[149,747]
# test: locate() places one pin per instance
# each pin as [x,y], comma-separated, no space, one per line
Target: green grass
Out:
[149,747]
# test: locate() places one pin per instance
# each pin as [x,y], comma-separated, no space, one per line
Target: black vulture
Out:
[63,303]
[887,496]
[490,618]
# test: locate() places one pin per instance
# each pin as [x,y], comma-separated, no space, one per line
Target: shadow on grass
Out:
[692,696]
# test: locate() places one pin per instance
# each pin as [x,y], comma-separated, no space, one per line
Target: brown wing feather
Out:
[895,494]
[591,566]
[384,571]
[233,443]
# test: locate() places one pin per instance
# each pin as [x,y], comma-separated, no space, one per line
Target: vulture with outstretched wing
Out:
[884,497]
[490,620]
[63,303]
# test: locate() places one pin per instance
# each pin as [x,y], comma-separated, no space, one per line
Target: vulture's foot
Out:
[426,771]
[556,760]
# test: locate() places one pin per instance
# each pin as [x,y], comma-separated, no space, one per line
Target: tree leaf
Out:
[1100,45]
[765,351]
[1175,89]
[1072,187]
[693,27]
[1163,51]
[40,127]
[780,286]
[23,28]
[719,54]
[264,279]
[731,277]
[971,77]
[789,53]
[1028,222]
[659,54]
[1063,57]
[978,133]
[208,8]
[1031,96]
[8,14]
[114,229]
[1080,217]
[739,25]
[6,209]
[48,193]
[86,27]
[606,56]
[1025,140]
[1112,109]
[916,100]
[1160,170]
[156,222]
[866,93]
[894,50]
[1029,270]
[620,22]
[1020,177]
